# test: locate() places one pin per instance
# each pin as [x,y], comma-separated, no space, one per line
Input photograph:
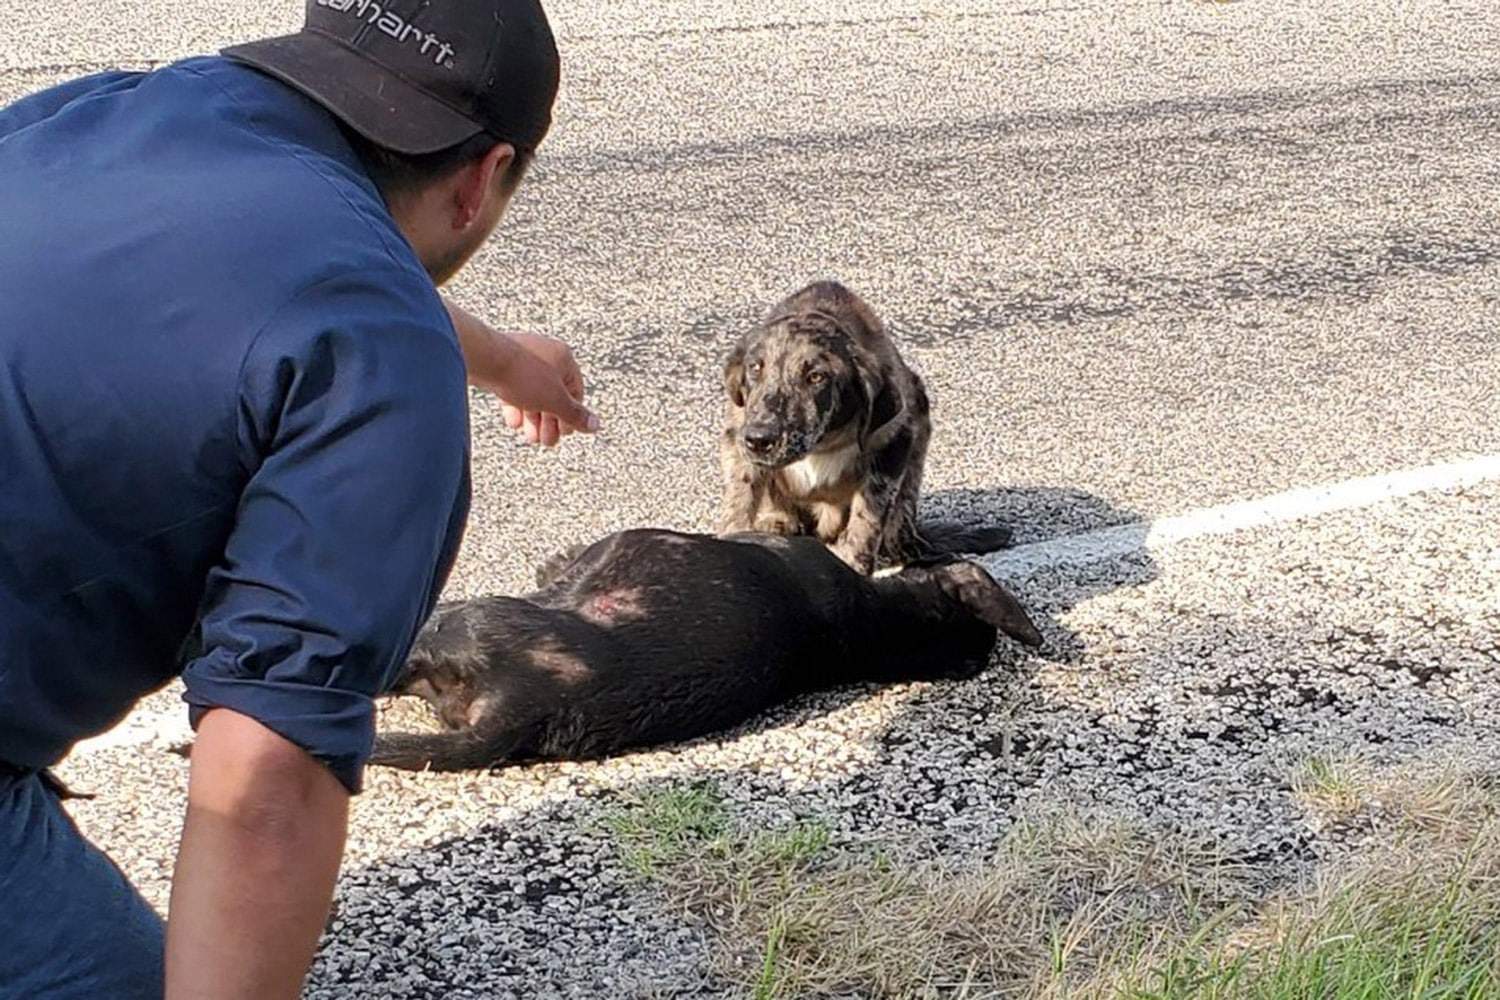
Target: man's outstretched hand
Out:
[536,377]
[546,416]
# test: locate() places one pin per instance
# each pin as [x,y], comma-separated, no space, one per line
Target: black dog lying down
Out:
[652,637]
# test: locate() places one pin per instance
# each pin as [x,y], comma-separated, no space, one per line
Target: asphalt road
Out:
[1151,258]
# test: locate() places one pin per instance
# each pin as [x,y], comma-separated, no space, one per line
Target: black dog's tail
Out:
[461,750]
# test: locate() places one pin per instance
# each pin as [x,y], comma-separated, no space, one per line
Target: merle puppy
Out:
[650,637]
[826,433]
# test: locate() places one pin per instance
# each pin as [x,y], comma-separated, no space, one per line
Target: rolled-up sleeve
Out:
[354,421]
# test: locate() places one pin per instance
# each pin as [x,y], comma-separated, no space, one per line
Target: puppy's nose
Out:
[759,438]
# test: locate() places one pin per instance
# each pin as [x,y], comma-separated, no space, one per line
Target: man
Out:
[234,447]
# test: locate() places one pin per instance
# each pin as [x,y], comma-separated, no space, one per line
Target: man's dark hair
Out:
[397,174]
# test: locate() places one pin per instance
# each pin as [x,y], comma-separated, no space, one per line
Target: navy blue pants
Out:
[71,924]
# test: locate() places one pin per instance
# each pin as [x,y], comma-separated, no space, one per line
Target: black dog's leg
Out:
[461,750]
[935,539]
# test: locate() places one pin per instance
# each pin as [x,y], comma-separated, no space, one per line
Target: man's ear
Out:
[734,376]
[476,180]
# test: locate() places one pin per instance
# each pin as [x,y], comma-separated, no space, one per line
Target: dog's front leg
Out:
[741,496]
[830,519]
[870,510]
[740,502]
[859,545]
[751,512]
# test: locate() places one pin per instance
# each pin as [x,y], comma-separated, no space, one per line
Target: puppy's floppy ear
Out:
[885,404]
[734,376]
[972,587]
[882,401]
[868,336]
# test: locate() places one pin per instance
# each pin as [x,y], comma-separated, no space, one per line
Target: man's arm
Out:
[255,870]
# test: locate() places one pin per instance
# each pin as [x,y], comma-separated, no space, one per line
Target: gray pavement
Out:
[1150,257]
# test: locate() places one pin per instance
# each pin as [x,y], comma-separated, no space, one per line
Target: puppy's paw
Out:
[551,570]
[776,524]
[860,558]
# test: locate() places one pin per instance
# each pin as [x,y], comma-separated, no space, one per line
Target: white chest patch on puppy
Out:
[819,470]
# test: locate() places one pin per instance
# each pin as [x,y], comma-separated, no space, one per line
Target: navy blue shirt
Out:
[233,416]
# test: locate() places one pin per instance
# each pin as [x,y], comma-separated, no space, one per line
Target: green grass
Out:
[1427,930]
[1086,909]
[767,987]
[661,827]
[683,838]
[1415,916]
[790,847]
[1332,787]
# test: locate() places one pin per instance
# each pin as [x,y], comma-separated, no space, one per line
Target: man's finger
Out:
[581,418]
[533,427]
[513,416]
[550,434]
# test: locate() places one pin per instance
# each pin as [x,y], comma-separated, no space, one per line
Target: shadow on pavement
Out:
[1053,579]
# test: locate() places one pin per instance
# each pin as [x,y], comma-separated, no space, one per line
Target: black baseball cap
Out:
[417,76]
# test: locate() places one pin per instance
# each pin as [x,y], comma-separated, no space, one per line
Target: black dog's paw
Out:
[972,669]
[977,541]
[992,538]
[949,538]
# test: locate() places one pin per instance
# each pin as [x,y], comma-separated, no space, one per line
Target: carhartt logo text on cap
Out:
[387,21]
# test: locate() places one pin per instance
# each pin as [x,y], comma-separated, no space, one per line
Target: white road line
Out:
[1105,544]
[1085,548]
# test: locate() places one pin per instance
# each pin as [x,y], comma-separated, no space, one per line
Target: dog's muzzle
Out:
[760,441]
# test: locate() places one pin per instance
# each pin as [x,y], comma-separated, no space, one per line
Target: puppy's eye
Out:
[816,378]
